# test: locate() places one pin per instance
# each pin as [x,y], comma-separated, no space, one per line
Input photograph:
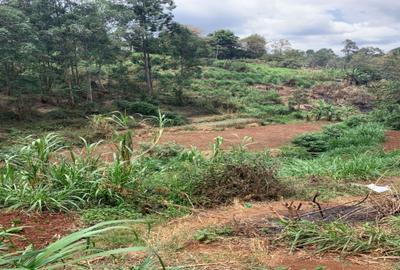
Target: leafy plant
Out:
[70,251]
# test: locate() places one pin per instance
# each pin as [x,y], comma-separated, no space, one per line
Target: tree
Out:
[224,43]
[185,47]
[350,48]
[96,46]
[16,46]
[391,65]
[143,20]
[254,46]
[371,51]
[321,58]
[280,46]
[292,59]
[366,65]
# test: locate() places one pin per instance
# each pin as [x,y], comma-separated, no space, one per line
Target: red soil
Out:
[272,136]
[39,229]
[392,141]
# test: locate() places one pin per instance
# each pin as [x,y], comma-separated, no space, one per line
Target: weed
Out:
[70,251]
[339,237]
[210,235]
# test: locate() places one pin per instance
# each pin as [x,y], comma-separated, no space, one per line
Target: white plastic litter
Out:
[378,189]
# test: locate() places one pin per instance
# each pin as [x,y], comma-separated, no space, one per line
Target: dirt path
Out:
[272,136]
[249,250]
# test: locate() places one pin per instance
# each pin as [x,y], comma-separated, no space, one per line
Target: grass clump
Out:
[342,136]
[97,215]
[340,237]
[346,151]
[209,235]
[356,166]
[149,110]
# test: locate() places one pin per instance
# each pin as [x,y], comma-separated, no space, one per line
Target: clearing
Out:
[271,136]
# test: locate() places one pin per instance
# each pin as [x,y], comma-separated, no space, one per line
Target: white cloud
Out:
[306,23]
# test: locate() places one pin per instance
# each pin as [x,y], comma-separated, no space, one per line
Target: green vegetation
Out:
[347,151]
[69,251]
[341,237]
[87,90]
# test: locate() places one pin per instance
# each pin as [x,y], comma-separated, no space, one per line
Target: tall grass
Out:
[355,166]
[351,150]
[40,175]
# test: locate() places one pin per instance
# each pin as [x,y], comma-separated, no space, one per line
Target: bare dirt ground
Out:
[38,229]
[272,136]
[392,141]
[247,249]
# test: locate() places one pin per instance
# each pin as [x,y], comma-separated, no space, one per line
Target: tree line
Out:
[73,47]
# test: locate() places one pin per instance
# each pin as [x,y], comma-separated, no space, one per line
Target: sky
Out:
[307,24]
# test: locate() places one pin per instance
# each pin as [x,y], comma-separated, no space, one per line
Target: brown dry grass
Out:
[176,245]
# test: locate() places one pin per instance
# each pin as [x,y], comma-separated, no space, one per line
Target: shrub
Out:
[364,135]
[174,119]
[235,66]
[149,110]
[388,115]
[341,136]
[138,107]
[330,112]
[163,151]
[357,120]
[239,174]
[62,114]
[314,143]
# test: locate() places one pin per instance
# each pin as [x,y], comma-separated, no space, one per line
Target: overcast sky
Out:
[308,24]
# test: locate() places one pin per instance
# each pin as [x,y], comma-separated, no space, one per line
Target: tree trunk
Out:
[100,83]
[71,92]
[147,71]
[90,90]
[78,83]
[7,79]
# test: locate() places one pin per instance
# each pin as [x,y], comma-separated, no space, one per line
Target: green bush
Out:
[364,135]
[341,136]
[313,143]
[389,115]
[146,109]
[235,66]
[137,107]
[174,119]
